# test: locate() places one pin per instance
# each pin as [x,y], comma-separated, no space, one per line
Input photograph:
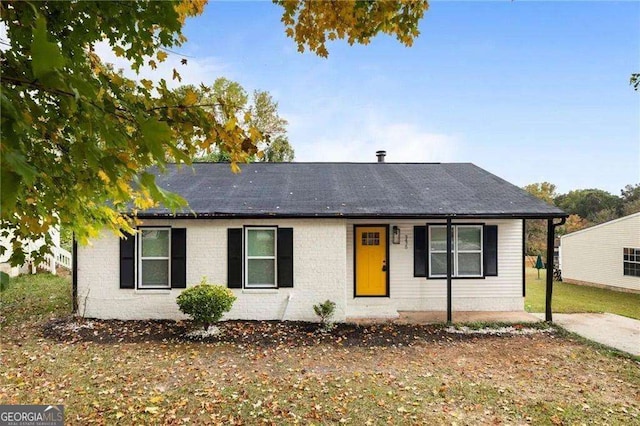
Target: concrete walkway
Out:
[612,330]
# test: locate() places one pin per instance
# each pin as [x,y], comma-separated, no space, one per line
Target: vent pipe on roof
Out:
[381,155]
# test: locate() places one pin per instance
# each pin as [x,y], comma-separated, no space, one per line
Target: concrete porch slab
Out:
[431,317]
[407,317]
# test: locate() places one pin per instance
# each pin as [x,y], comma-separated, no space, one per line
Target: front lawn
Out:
[570,298]
[33,297]
[537,379]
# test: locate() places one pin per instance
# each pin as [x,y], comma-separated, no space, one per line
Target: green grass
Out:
[34,297]
[571,298]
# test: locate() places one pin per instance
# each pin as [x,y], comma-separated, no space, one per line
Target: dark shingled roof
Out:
[347,190]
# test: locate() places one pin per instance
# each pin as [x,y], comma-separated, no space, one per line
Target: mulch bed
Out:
[255,333]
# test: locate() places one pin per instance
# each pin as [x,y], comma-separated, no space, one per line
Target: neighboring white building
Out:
[370,237]
[605,255]
[59,255]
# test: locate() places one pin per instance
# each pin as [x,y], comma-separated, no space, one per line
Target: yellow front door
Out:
[371,261]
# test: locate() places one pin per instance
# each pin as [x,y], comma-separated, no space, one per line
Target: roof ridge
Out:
[319,162]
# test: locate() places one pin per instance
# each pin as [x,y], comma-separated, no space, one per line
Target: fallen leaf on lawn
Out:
[151,410]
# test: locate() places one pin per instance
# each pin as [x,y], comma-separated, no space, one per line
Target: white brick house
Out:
[605,255]
[372,237]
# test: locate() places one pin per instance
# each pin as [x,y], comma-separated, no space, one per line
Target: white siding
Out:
[594,255]
[319,273]
[409,293]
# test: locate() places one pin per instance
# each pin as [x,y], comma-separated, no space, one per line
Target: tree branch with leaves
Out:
[77,135]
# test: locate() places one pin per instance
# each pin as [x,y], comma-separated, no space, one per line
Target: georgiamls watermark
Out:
[31,415]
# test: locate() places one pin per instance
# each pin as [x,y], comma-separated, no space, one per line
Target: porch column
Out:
[449,259]
[551,233]
[74,276]
[524,257]
[549,291]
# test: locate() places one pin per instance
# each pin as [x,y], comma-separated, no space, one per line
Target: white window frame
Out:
[139,284]
[274,257]
[430,251]
[455,251]
[635,252]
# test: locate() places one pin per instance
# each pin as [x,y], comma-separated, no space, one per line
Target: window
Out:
[370,238]
[155,258]
[631,261]
[466,246]
[154,254]
[260,258]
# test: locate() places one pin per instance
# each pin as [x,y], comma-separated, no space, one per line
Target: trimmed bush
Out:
[206,303]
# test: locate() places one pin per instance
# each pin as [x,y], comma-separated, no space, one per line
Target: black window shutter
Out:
[285,257]
[234,257]
[128,261]
[419,251]
[178,258]
[490,249]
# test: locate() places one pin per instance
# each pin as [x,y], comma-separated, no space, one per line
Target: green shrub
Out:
[325,311]
[206,303]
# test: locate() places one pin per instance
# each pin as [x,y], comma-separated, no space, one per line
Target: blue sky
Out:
[530,91]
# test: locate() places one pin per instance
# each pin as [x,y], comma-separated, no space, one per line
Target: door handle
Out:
[384,266]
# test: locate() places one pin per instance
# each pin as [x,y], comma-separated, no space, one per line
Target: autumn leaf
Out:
[148,84]
[190,98]
[151,410]
[102,175]
[231,124]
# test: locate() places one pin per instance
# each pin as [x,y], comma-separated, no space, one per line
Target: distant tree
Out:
[228,100]
[589,203]
[605,215]
[631,208]
[544,190]
[535,236]
[574,223]
[536,229]
[66,239]
[630,199]
[630,193]
[214,156]
[586,207]
[279,150]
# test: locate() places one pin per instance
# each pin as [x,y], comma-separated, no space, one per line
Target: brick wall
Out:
[319,273]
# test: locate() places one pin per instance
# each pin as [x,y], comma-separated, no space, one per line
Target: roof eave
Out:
[216,215]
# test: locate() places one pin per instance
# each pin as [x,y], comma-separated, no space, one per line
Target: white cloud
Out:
[197,70]
[329,132]
[404,142]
